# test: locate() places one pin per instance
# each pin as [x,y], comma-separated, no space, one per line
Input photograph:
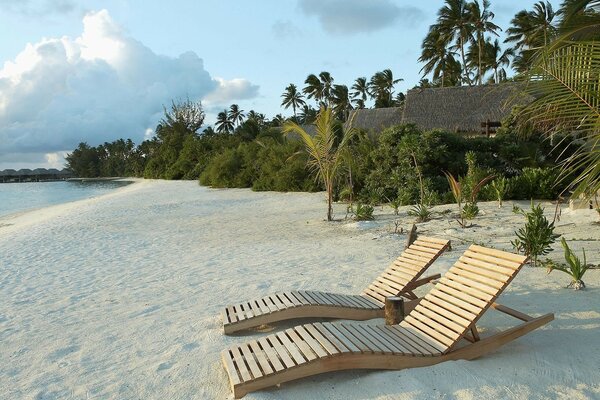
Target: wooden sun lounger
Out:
[431,333]
[399,279]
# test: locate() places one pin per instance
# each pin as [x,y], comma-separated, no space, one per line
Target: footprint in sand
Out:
[164,366]
[60,353]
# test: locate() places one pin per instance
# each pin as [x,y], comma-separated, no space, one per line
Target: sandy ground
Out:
[118,297]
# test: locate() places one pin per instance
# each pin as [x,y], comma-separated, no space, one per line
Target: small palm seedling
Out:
[395,204]
[421,211]
[537,236]
[364,212]
[574,267]
[500,187]
[470,209]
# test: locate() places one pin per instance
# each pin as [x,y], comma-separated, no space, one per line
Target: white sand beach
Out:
[119,296]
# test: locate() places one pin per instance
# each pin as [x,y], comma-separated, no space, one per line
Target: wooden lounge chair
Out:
[400,278]
[431,333]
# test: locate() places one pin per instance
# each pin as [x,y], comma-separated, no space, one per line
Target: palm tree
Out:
[325,155]
[307,115]
[496,59]
[530,31]
[255,116]
[455,26]
[438,58]
[342,104]
[292,97]
[382,86]
[224,123]
[313,88]
[327,82]
[360,92]
[235,114]
[319,88]
[480,19]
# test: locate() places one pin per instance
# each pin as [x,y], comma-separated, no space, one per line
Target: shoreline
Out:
[120,297]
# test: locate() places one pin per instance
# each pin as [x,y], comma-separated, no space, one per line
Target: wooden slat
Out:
[434,240]
[282,351]
[332,338]
[271,354]
[333,330]
[233,372]
[232,314]
[241,366]
[285,300]
[423,249]
[483,272]
[300,298]
[486,265]
[401,275]
[262,358]
[291,348]
[278,303]
[250,311]
[429,331]
[314,344]
[347,335]
[400,345]
[249,358]
[405,265]
[473,285]
[485,297]
[449,311]
[323,341]
[304,348]
[343,300]
[447,319]
[493,260]
[380,342]
[445,291]
[359,338]
[516,258]
[423,243]
[418,253]
[412,260]
[308,295]
[420,339]
[293,299]
[479,277]
[439,327]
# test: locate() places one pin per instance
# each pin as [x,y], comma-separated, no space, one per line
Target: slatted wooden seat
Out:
[431,333]
[400,278]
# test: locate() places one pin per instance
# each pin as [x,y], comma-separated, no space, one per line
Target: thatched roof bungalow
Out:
[375,119]
[465,109]
[460,109]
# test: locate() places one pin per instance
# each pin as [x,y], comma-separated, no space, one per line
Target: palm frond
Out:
[565,82]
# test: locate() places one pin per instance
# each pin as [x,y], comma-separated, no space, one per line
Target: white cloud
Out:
[97,87]
[340,17]
[229,90]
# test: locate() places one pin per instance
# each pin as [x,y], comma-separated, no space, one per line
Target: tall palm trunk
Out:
[462,54]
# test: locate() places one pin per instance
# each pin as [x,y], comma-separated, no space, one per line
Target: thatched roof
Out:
[460,109]
[375,119]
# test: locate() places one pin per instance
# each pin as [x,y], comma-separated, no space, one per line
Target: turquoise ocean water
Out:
[18,197]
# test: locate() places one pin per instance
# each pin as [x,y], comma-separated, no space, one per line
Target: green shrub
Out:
[470,211]
[574,267]
[536,237]
[364,212]
[535,183]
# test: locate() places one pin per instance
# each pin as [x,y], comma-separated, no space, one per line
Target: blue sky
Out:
[95,71]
